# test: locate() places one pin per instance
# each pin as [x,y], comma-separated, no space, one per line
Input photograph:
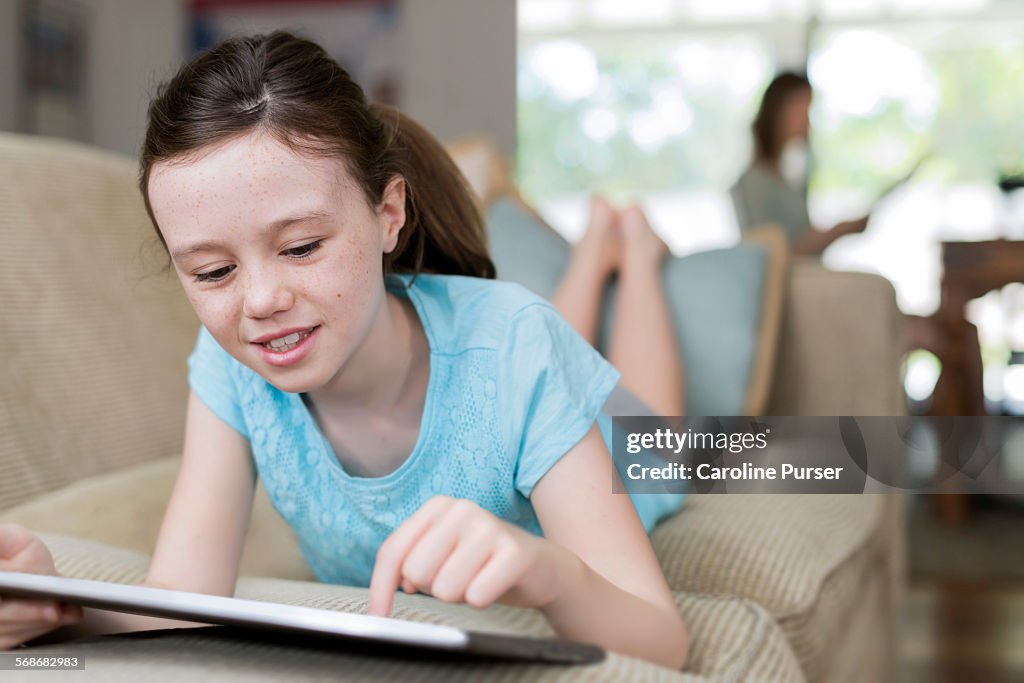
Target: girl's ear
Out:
[391,212]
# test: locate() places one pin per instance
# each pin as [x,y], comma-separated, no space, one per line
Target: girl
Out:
[419,425]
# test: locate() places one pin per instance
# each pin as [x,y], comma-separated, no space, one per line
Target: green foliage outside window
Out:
[700,141]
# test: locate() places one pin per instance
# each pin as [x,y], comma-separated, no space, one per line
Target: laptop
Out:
[348,629]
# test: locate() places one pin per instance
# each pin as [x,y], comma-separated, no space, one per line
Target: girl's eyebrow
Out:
[276,226]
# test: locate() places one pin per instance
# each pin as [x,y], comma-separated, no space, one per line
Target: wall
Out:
[130,46]
[459,67]
[133,45]
[8,64]
[458,61]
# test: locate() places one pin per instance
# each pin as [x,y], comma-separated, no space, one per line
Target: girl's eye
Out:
[214,275]
[304,250]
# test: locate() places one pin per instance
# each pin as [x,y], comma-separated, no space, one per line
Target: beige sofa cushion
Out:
[732,639]
[95,336]
[187,656]
[805,559]
[125,508]
[800,560]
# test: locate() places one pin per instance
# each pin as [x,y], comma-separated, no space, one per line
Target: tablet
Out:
[290,619]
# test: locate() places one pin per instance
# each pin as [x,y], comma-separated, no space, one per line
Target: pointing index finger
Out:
[387,571]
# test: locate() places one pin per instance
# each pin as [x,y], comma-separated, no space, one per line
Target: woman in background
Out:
[773,189]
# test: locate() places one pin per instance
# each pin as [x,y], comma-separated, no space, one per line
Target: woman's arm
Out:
[615,595]
[201,538]
[812,242]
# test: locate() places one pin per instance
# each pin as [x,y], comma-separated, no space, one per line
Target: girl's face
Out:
[277,249]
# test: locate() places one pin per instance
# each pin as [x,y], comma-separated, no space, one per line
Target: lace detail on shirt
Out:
[483,401]
[342,520]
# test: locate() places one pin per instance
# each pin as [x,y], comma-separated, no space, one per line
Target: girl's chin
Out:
[288,382]
[293,385]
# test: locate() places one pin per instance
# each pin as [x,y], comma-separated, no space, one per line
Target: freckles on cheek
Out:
[210,314]
[361,262]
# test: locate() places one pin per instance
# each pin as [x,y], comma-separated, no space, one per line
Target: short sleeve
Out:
[554,385]
[211,379]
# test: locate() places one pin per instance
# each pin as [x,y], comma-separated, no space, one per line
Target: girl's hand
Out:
[22,619]
[458,552]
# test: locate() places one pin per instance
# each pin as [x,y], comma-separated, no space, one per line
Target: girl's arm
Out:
[612,591]
[201,538]
[594,574]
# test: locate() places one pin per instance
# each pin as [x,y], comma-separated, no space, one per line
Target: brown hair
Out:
[766,123]
[290,88]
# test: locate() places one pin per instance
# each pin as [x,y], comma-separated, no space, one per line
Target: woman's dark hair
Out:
[290,88]
[767,145]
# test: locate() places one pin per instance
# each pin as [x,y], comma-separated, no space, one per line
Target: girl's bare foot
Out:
[641,245]
[600,248]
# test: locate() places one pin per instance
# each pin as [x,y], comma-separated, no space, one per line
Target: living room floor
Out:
[963,618]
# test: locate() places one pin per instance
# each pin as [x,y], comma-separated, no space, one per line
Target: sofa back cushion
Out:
[93,371]
[725,304]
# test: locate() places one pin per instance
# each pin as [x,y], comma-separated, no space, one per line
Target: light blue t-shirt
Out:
[512,389]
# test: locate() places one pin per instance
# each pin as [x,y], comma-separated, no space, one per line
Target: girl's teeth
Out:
[282,349]
[287,343]
[284,341]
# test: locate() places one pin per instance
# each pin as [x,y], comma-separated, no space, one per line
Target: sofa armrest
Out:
[841,345]
[125,508]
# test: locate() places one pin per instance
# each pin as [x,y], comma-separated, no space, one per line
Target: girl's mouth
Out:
[287,343]
[290,349]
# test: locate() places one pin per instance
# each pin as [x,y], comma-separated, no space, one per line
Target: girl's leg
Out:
[594,258]
[643,342]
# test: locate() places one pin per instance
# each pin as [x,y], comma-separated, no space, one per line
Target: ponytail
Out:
[444,230]
[289,87]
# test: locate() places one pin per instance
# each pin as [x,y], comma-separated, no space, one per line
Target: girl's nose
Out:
[266,294]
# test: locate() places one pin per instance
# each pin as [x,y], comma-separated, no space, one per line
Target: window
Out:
[652,99]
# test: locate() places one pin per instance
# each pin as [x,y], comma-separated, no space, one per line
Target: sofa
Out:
[92,396]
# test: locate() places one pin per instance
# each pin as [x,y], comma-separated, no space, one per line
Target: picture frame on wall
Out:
[361,35]
[53,68]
